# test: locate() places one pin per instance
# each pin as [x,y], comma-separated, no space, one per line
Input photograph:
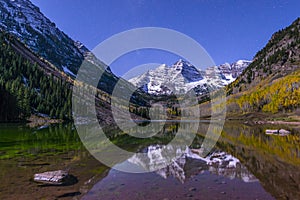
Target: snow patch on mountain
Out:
[67,71]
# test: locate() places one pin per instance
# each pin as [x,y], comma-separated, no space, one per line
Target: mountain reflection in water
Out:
[189,176]
[190,164]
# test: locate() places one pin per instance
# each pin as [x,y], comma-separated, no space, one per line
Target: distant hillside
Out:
[271,83]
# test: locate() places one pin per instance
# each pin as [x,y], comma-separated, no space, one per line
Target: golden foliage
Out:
[282,94]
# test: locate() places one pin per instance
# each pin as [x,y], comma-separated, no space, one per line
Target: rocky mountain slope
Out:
[271,82]
[25,21]
[182,77]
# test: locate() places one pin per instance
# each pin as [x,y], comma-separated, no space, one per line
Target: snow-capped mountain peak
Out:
[243,62]
[180,64]
[182,76]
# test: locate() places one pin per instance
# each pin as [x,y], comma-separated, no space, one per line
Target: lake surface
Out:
[245,164]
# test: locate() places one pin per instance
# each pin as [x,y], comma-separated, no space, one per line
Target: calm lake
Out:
[245,164]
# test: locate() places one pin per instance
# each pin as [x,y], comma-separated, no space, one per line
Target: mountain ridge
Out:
[182,77]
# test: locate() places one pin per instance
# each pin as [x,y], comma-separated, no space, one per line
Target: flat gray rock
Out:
[52,177]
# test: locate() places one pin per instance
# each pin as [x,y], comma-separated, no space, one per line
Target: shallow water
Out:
[245,164]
